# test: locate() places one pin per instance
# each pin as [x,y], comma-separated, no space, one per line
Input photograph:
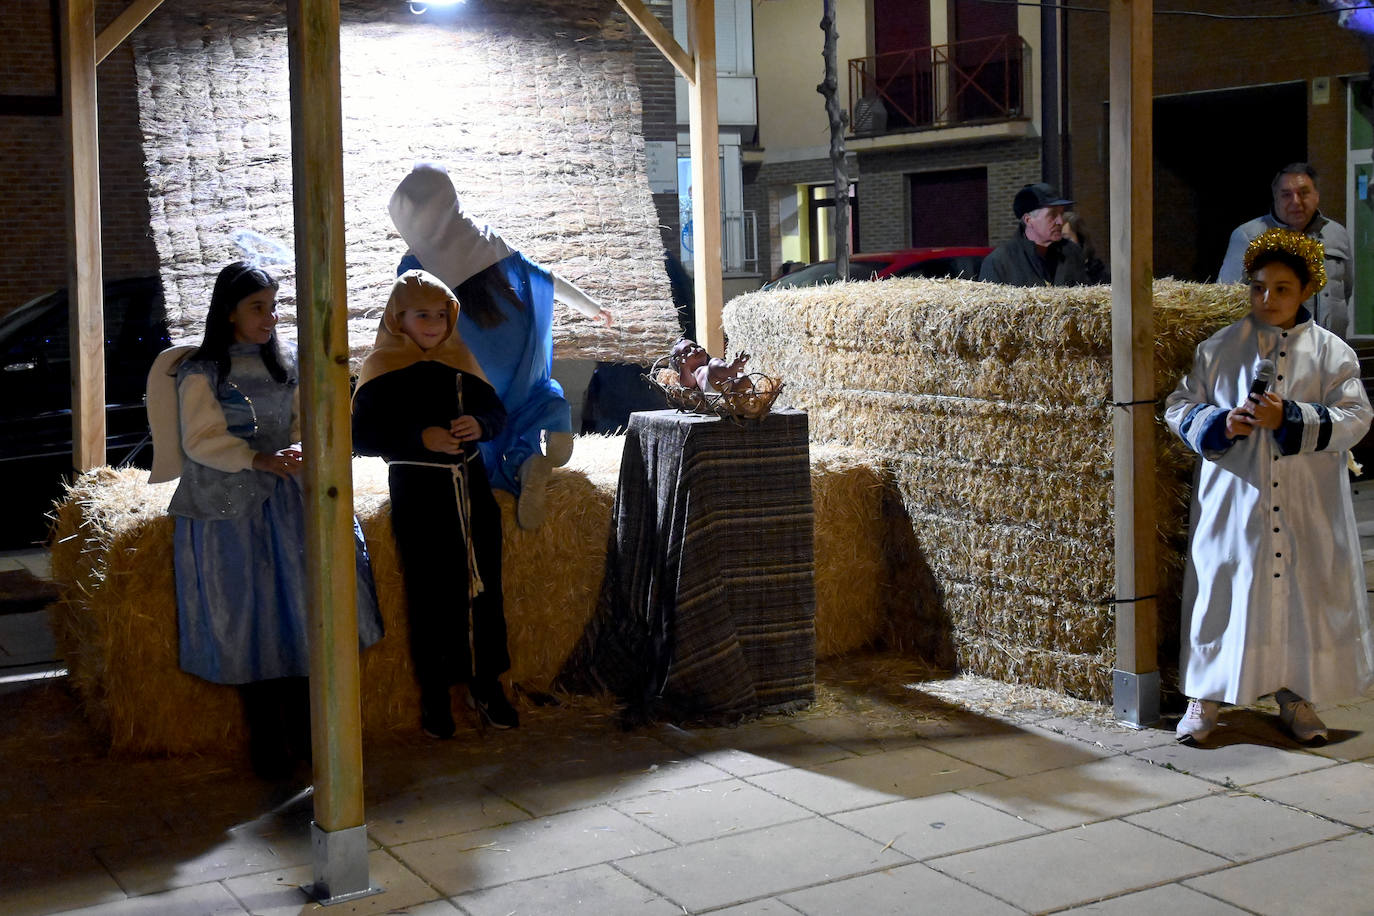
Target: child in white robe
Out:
[1274,595]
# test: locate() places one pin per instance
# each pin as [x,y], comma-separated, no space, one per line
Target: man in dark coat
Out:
[1038,255]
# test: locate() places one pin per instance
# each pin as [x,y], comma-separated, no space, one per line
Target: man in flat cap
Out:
[1038,255]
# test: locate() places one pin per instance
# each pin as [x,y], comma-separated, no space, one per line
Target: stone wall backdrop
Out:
[534,108]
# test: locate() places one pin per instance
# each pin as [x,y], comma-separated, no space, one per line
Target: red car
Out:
[910,262]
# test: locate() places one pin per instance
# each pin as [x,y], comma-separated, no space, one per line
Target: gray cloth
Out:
[708,606]
[1332,307]
[1016,263]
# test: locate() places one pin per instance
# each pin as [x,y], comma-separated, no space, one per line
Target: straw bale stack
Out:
[990,407]
[116,619]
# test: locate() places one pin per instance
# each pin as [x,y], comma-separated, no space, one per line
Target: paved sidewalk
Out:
[896,795]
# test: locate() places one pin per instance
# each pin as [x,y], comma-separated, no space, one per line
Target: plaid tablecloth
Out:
[708,604]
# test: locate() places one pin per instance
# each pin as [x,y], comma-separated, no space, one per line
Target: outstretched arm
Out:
[570,295]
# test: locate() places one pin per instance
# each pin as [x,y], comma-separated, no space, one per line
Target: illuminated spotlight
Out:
[423,6]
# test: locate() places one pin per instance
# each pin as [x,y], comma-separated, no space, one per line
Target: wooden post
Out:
[339,833]
[704,117]
[1135,682]
[85,279]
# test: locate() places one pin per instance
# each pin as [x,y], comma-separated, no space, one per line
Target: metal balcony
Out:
[980,81]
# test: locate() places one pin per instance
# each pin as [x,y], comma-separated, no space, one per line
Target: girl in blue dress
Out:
[239,543]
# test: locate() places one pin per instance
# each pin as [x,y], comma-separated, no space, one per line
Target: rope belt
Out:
[459,472]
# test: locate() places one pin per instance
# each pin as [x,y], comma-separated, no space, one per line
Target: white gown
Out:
[1274,594]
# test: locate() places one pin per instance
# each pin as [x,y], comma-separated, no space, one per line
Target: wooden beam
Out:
[1134,423]
[321,293]
[123,26]
[85,280]
[663,39]
[704,117]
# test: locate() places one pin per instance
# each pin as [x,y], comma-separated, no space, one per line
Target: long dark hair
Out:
[235,283]
[478,294]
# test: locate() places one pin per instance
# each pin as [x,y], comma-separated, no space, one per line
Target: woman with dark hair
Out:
[506,318]
[238,546]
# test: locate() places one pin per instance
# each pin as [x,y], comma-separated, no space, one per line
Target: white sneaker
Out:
[1300,717]
[1197,723]
[534,480]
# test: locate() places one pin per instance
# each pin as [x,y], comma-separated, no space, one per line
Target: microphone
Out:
[1264,377]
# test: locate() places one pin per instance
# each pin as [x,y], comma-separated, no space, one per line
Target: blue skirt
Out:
[240,585]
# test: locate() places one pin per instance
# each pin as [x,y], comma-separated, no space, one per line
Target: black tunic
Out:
[389,414]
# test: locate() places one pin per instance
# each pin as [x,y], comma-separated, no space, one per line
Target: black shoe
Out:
[436,714]
[490,702]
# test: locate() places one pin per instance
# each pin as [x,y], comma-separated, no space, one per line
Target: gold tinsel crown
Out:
[1294,243]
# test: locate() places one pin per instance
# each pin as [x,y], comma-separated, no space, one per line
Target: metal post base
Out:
[340,865]
[1135,698]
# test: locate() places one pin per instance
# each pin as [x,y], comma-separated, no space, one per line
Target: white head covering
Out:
[447,241]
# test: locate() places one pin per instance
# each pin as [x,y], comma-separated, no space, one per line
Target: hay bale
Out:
[991,409]
[116,620]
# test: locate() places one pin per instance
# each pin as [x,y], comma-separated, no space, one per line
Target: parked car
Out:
[911,262]
[36,396]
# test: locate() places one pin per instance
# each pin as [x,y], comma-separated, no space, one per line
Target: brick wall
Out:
[885,202]
[32,210]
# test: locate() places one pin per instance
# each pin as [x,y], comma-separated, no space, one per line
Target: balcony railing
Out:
[968,82]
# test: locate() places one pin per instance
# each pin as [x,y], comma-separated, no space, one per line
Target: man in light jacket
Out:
[1295,207]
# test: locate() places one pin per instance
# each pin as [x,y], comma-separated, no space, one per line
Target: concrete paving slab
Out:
[1331,877]
[861,736]
[1019,751]
[937,825]
[1171,898]
[778,744]
[711,810]
[1093,791]
[768,907]
[527,849]
[1237,826]
[1240,764]
[1344,793]
[858,782]
[279,892]
[598,890]
[1119,739]
[759,863]
[551,785]
[898,892]
[164,862]
[438,809]
[1076,865]
[54,879]
[203,900]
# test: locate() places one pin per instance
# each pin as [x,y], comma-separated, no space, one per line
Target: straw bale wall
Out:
[534,107]
[990,408]
[116,621]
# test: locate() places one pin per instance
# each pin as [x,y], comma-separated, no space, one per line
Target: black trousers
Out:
[451,640]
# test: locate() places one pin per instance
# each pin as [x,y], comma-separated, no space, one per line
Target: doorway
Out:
[1211,176]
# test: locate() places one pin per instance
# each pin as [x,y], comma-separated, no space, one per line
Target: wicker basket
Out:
[742,403]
